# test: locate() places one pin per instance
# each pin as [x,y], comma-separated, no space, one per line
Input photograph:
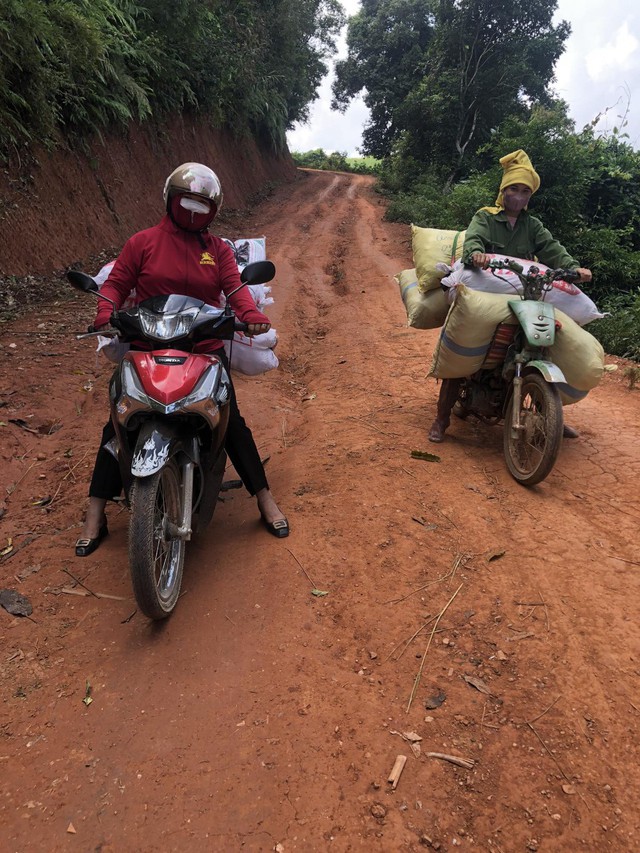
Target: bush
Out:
[619,334]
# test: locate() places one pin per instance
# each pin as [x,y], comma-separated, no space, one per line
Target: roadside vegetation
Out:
[336,161]
[71,69]
[448,112]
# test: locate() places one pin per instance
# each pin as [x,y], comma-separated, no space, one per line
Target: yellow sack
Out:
[424,310]
[468,331]
[579,356]
[432,246]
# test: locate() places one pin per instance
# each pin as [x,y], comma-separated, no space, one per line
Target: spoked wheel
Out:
[156,556]
[532,453]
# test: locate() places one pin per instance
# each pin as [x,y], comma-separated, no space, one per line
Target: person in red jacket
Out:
[179,255]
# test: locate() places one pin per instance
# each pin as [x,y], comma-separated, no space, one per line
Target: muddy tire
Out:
[156,557]
[531,456]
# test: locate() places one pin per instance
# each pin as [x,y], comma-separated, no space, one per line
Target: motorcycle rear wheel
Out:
[156,557]
[532,454]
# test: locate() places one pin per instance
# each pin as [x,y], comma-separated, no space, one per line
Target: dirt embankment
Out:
[65,206]
[495,623]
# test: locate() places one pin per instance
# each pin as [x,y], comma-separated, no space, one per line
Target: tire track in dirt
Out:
[263,715]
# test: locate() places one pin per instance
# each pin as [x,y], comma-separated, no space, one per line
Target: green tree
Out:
[474,62]
[387,47]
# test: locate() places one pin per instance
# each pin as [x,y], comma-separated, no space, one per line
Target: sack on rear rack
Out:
[433,246]
[424,310]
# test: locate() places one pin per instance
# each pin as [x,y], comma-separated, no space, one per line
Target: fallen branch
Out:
[467,763]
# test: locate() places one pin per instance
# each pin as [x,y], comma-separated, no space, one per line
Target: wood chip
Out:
[396,771]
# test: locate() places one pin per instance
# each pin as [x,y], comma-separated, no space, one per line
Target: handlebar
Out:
[571,276]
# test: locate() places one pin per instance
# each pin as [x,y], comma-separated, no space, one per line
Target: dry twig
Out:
[419,674]
[302,567]
[467,763]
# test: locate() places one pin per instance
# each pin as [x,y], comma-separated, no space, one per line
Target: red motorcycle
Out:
[170,410]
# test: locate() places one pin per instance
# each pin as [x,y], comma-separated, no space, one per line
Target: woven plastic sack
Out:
[579,356]
[424,310]
[567,297]
[246,250]
[432,246]
[252,355]
[466,336]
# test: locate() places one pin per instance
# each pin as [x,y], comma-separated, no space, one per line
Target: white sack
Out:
[567,297]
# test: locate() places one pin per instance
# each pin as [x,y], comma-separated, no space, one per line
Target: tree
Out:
[462,67]
[387,46]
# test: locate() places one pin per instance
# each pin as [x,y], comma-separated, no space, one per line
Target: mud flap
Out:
[153,449]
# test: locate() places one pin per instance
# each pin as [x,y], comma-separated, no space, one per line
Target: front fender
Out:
[550,371]
[153,449]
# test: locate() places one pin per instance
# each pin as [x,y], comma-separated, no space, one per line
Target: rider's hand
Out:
[480,260]
[257,328]
[99,328]
[585,274]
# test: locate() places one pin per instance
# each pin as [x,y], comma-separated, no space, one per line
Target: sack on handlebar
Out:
[424,310]
[432,246]
[253,355]
[567,297]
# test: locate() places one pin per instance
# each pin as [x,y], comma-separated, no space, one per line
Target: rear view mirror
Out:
[259,272]
[82,281]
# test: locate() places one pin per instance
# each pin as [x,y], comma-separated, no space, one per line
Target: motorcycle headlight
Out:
[166,327]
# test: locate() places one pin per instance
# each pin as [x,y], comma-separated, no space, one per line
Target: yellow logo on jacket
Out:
[207,259]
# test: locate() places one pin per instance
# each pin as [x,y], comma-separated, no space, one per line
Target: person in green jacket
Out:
[507,228]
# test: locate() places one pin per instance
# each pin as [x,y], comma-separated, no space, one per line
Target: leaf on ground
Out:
[8,548]
[42,501]
[423,454]
[495,555]
[478,683]
[87,695]
[319,593]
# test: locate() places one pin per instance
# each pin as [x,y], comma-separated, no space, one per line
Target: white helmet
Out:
[195,179]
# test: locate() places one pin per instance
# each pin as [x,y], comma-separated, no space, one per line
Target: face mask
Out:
[195,206]
[187,213]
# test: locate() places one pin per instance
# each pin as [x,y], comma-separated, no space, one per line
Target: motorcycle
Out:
[170,410]
[518,381]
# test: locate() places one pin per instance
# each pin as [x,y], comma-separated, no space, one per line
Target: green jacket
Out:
[492,233]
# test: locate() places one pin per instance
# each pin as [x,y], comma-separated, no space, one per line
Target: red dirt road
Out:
[261,717]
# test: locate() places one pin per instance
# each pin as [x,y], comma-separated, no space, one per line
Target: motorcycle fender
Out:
[538,321]
[153,450]
[550,371]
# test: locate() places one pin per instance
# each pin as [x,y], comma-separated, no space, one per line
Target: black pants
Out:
[106,482]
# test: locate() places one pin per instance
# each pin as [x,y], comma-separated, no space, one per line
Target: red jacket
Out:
[166,259]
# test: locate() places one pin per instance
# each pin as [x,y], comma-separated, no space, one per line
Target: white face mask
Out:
[195,206]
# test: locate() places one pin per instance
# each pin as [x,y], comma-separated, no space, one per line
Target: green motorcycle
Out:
[518,383]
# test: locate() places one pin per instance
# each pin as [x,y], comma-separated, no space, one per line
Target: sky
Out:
[599,73]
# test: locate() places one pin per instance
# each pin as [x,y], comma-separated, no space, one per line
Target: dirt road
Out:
[263,717]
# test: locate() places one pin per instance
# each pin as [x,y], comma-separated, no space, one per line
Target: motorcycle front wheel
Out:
[156,555]
[531,454]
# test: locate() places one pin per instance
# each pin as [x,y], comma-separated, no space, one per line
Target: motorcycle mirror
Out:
[82,281]
[259,272]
